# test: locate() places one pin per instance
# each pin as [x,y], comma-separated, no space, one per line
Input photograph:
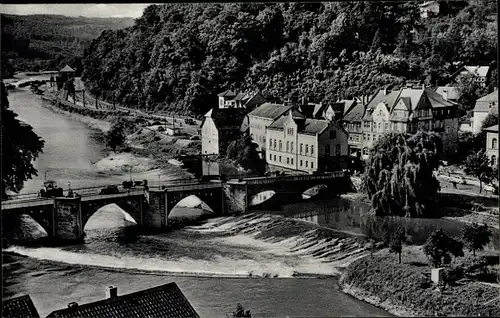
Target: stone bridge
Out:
[64,218]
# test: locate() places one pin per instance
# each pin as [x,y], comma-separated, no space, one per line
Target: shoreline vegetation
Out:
[407,290]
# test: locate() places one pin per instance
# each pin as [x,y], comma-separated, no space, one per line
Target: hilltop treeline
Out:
[47,42]
[178,56]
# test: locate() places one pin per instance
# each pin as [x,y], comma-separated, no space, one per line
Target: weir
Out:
[64,218]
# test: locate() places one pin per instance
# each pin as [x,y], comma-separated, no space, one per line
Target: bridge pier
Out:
[67,220]
[156,216]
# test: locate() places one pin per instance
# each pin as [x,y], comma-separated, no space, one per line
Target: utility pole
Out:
[83,97]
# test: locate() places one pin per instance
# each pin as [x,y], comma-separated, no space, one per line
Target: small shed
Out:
[66,73]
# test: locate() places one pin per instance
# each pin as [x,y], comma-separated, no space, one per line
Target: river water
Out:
[252,259]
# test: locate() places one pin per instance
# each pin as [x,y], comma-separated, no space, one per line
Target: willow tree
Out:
[399,176]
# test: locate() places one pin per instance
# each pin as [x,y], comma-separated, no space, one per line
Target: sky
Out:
[99,10]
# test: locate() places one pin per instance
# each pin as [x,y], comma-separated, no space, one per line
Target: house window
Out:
[280,145]
[333,134]
[386,128]
[307,149]
[365,151]
[338,148]
[369,137]
[493,160]
[301,163]
[274,157]
[494,143]
[327,149]
[291,146]
[287,146]
[364,137]
[366,124]
[270,143]
[291,161]
[312,165]
[280,158]
[274,144]
[287,161]
[270,157]
[312,149]
[379,127]
[300,149]
[307,162]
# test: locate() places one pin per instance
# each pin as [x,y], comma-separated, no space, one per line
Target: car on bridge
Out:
[50,190]
[111,189]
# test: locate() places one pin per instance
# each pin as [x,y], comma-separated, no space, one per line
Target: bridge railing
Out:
[322,176]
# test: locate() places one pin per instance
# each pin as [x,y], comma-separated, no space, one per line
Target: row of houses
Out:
[308,137]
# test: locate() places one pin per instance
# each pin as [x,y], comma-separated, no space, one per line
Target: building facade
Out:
[294,142]
[219,127]
[429,9]
[408,110]
[234,99]
[492,144]
[260,118]
[480,74]
[484,106]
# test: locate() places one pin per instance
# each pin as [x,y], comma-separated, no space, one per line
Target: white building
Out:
[294,142]
[429,8]
[484,106]
[219,128]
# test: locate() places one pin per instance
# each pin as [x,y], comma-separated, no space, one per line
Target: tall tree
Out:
[476,236]
[399,178]
[478,165]
[439,248]
[21,147]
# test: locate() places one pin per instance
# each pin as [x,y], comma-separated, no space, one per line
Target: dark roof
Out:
[407,102]
[268,110]
[67,69]
[310,126]
[388,99]
[240,96]
[227,118]
[162,301]
[491,129]
[19,307]
[436,100]
[355,113]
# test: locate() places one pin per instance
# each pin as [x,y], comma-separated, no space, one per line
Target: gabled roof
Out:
[240,96]
[227,93]
[491,129]
[436,100]
[407,102]
[477,70]
[414,94]
[226,118]
[388,99]
[486,103]
[355,113]
[67,69]
[19,307]
[162,301]
[270,111]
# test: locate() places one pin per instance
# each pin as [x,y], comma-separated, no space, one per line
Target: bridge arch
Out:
[109,216]
[212,197]
[190,207]
[25,227]
[131,206]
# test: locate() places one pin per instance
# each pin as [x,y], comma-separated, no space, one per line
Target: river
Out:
[211,263]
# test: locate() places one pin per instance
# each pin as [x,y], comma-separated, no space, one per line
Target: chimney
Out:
[445,94]
[111,292]
[72,305]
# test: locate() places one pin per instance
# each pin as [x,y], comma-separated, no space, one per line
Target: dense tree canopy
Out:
[399,177]
[439,248]
[47,42]
[20,147]
[178,56]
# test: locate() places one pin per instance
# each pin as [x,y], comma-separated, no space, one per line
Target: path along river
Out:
[54,277]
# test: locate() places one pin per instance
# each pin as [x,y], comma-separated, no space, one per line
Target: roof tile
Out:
[19,307]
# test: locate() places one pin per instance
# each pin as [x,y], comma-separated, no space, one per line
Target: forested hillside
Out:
[178,56]
[46,42]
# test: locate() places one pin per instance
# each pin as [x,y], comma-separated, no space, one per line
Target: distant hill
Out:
[43,42]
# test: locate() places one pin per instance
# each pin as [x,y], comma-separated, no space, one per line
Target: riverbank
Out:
[146,149]
[407,290]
